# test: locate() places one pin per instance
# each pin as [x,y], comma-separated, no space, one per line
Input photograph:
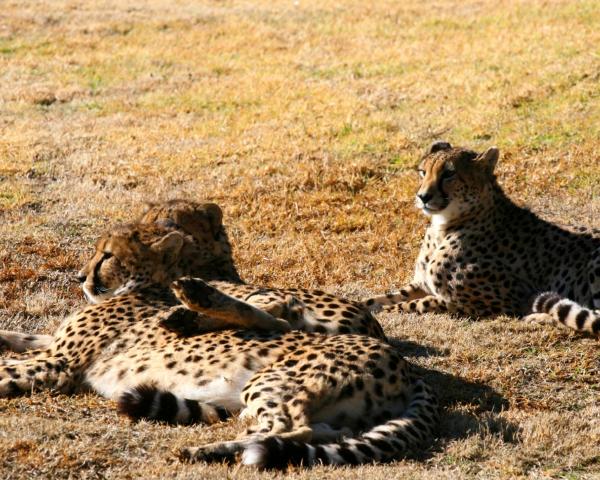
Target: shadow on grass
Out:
[467,408]
[409,348]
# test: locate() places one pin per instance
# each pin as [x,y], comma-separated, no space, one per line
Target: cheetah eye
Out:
[421,173]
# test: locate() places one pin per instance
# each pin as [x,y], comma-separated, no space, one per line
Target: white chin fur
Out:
[438,219]
[432,213]
[445,216]
[427,211]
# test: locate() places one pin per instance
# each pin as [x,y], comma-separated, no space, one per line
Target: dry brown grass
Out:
[303,120]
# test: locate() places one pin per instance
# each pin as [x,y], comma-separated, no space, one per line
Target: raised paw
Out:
[198,296]
[194,293]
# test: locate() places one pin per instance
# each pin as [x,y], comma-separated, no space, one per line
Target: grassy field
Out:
[304,121]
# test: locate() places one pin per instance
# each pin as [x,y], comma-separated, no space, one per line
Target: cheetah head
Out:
[455,182]
[128,257]
[171,239]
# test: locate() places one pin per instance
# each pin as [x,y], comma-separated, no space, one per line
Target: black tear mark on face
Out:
[99,288]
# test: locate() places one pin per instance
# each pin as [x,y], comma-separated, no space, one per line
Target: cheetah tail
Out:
[567,312]
[149,403]
[382,443]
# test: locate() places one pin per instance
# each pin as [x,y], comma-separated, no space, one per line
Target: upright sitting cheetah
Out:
[302,388]
[206,254]
[484,255]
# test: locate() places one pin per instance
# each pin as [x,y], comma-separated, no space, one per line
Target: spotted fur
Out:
[188,238]
[483,255]
[310,310]
[297,386]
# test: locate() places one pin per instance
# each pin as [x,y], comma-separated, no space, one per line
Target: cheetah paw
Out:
[539,318]
[207,453]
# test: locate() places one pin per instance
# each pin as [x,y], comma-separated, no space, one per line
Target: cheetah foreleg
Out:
[186,323]
[538,318]
[198,296]
[407,293]
[34,374]
[21,342]
[20,357]
[428,304]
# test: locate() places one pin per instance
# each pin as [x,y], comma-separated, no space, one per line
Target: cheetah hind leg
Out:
[227,451]
[198,296]
[275,419]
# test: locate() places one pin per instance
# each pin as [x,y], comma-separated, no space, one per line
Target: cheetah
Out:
[206,253]
[320,311]
[483,255]
[314,397]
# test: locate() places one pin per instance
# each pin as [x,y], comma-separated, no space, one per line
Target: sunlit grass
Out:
[304,121]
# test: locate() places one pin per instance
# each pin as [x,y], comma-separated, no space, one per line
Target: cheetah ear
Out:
[169,246]
[437,146]
[203,221]
[489,158]
[215,216]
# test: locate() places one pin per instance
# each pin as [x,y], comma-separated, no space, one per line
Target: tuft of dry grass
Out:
[304,121]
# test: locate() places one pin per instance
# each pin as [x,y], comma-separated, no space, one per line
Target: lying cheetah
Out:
[321,311]
[306,390]
[484,255]
[206,253]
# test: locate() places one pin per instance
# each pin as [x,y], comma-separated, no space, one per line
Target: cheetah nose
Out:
[80,277]
[425,197]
